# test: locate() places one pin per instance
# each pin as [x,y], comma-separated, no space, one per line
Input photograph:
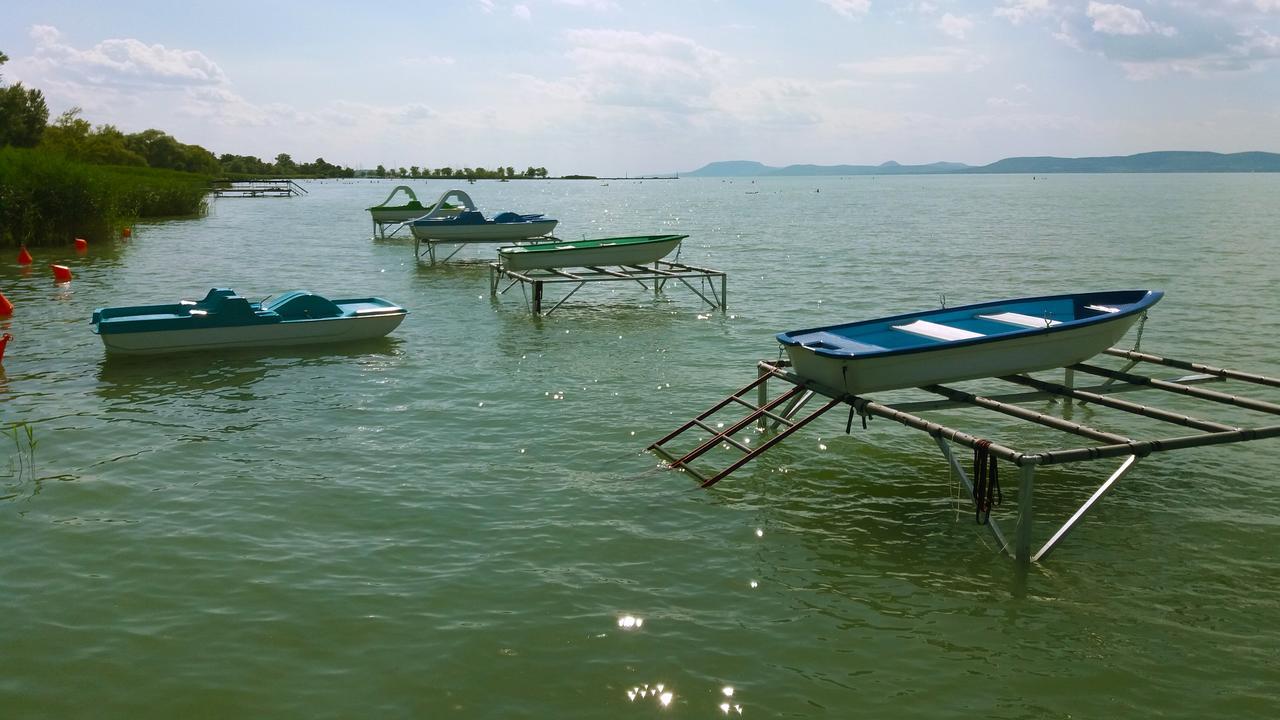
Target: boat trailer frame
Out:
[769,414]
[658,275]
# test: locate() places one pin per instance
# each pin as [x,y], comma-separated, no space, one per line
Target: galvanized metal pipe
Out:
[1146,447]
[1195,367]
[1022,539]
[1125,405]
[1025,414]
[1244,402]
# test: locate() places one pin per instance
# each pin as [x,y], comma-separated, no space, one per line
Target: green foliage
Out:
[72,136]
[162,151]
[23,114]
[46,198]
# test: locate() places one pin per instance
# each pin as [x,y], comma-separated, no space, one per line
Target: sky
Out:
[633,87]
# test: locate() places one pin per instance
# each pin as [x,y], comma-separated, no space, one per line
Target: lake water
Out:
[458,520]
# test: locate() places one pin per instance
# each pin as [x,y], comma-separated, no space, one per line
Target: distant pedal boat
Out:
[637,250]
[226,320]
[387,213]
[470,225]
[964,343]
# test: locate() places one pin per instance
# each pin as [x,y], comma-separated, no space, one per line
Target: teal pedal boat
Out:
[226,320]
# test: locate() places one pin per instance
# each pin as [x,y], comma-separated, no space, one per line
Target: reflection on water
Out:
[139,377]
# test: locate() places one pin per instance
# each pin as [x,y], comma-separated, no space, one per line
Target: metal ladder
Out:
[793,398]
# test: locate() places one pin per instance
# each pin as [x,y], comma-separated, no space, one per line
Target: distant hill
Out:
[733,168]
[1152,162]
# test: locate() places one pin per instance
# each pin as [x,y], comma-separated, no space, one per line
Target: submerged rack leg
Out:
[964,478]
[1022,551]
[537,298]
[1070,524]
[762,395]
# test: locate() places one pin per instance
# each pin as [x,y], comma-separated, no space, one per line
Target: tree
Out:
[511,172]
[72,136]
[285,165]
[380,172]
[23,114]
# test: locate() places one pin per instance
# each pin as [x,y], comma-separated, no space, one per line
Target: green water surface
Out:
[459,520]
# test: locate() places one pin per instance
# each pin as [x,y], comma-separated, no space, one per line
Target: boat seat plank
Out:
[831,341]
[1021,320]
[937,331]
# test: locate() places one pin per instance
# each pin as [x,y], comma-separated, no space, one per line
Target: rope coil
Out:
[986,482]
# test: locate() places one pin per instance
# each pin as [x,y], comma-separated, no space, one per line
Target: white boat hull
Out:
[488,232]
[518,258]
[283,334]
[950,364]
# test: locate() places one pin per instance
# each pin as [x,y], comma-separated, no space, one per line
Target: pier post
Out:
[537,298]
[1022,540]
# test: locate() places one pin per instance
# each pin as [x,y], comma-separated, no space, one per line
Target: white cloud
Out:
[849,8]
[485,5]
[954,26]
[123,62]
[1112,19]
[521,12]
[1016,11]
[1254,48]
[945,62]
[657,70]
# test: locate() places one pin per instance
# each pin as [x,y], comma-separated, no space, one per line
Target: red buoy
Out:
[126,232]
[82,245]
[4,340]
[24,257]
[6,307]
[61,273]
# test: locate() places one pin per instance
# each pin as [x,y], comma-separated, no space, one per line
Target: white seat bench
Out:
[1021,320]
[936,331]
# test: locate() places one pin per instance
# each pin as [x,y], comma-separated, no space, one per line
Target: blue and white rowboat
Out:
[226,320]
[963,343]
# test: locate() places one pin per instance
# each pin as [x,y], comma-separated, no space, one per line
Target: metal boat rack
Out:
[434,255]
[380,227]
[656,275]
[782,411]
[257,187]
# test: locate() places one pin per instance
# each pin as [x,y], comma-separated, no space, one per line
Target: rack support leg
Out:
[537,298]
[1022,541]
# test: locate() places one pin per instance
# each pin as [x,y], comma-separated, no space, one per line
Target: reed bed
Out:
[46,199]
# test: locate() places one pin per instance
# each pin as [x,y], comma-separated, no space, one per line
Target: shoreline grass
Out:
[46,199]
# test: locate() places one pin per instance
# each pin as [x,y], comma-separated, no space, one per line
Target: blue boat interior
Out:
[475,217]
[970,323]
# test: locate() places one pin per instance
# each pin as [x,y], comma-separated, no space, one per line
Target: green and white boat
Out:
[386,213]
[637,250]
